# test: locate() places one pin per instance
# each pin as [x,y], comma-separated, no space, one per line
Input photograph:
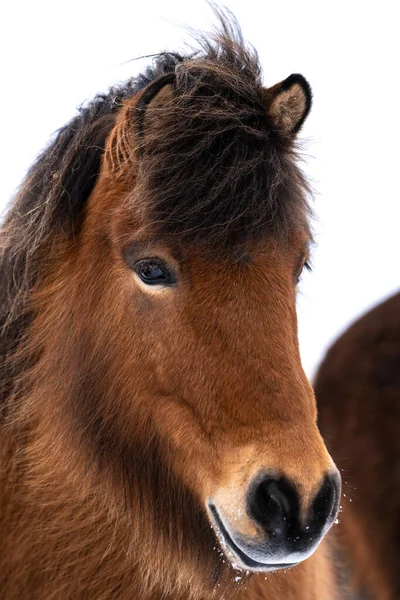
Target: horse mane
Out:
[217,173]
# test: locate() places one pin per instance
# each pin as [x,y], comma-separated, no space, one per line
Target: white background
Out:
[54,55]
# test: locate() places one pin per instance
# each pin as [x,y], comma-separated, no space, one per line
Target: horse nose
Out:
[274,504]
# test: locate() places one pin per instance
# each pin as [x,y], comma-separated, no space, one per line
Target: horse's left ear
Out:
[288,103]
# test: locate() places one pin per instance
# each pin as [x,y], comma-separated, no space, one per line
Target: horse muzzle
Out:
[271,533]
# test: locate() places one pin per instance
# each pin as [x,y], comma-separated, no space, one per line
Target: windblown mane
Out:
[217,173]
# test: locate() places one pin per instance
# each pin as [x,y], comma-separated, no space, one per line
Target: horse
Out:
[159,437]
[358,396]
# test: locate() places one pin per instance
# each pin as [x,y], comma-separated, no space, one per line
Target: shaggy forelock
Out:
[215,170]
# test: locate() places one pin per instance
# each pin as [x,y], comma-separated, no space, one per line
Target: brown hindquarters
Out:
[358,396]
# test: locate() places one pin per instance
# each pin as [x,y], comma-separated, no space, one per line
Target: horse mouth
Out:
[244,560]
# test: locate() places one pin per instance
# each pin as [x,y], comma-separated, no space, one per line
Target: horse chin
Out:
[242,554]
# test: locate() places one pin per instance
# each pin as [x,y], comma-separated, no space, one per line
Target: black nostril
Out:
[273,504]
[326,503]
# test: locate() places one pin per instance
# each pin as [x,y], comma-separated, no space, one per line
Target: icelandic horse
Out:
[158,435]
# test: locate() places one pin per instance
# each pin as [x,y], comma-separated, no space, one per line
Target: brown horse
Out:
[159,436]
[358,394]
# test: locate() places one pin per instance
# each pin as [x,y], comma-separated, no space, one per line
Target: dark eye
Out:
[154,271]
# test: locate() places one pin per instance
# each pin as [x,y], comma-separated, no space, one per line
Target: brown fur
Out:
[358,393]
[124,409]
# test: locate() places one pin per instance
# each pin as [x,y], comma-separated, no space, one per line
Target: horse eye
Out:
[153,271]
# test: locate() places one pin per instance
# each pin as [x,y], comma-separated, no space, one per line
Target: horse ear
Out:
[149,106]
[288,103]
[138,115]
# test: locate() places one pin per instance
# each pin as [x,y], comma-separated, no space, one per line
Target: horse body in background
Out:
[158,434]
[358,394]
